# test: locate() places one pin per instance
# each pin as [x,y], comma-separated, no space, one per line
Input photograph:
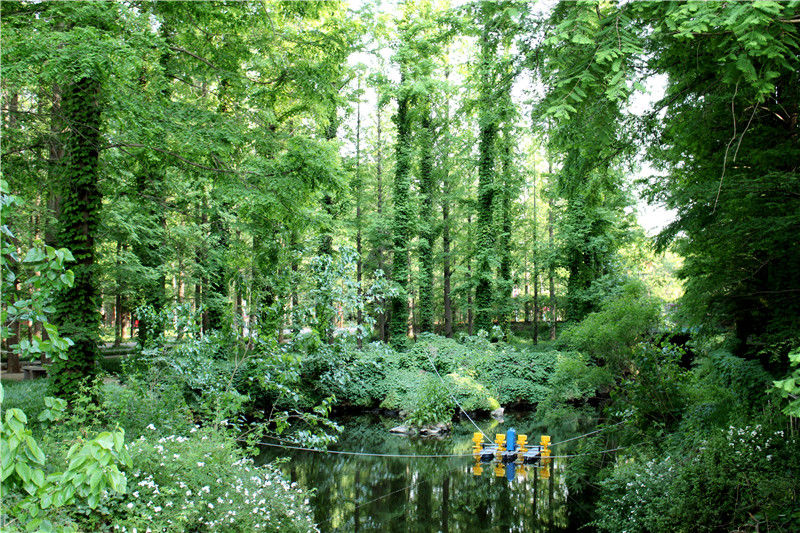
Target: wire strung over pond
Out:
[405,456]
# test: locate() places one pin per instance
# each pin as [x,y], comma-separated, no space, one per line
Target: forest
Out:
[241,237]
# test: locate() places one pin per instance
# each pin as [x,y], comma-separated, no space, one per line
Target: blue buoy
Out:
[511,471]
[511,439]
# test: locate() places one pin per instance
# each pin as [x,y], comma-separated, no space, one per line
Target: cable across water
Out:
[404,455]
[590,433]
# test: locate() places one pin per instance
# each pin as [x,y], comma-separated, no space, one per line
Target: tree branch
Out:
[199,58]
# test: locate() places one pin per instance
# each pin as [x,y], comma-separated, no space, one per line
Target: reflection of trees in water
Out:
[421,495]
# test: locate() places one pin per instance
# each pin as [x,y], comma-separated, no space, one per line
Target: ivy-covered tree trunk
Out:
[487,123]
[534,251]
[201,257]
[470,282]
[150,189]
[357,185]
[401,230]
[55,153]
[551,266]
[325,314]
[381,322]
[447,187]
[77,313]
[503,304]
[427,229]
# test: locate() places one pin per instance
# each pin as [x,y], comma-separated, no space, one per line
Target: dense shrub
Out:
[142,403]
[354,377]
[515,375]
[736,479]
[479,374]
[574,381]
[202,482]
[611,334]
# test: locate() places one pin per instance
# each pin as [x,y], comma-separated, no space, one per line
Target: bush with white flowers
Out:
[203,482]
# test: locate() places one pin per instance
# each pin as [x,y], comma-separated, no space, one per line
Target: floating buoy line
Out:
[287,445]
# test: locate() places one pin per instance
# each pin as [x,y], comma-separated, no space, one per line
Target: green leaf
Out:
[34,255]
[37,476]
[23,471]
[105,440]
[45,500]
[38,454]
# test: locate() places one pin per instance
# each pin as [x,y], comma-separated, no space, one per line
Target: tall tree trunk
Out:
[550,221]
[150,248]
[15,329]
[535,265]
[446,269]
[359,262]
[503,304]
[216,298]
[13,338]
[118,311]
[398,327]
[427,234]
[447,187]
[201,288]
[55,153]
[470,301]
[76,308]
[487,123]
[379,176]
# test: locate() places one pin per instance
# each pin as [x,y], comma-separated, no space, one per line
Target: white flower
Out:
[130,505]
[151,427]
[200,463]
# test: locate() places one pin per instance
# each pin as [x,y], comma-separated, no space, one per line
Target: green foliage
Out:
[28,287]
[426,401]
[738,477]
[76,306]
[203,482]
[656,389]
[789,388]
[479,374]
[353,377]
[147,400]
[611,334]
[33,493]
[27,395]
[747,377]
[402,225]
[573,382]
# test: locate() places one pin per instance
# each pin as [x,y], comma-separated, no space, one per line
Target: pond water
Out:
[353,493]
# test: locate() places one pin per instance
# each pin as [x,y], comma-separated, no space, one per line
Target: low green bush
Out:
[203,482]
[142,403]
[515,375]
[611,334]
[481,375]
[574,381]
[734,479]
[427,402]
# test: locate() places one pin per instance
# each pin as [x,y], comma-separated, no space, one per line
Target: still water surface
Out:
[430,494]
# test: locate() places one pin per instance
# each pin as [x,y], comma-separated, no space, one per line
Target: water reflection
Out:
[427,494]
